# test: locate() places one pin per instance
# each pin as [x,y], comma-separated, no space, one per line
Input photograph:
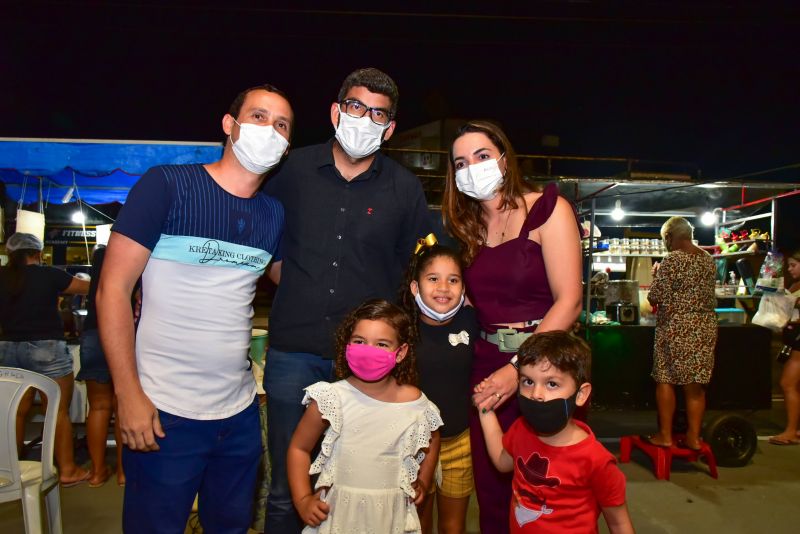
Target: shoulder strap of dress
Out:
[541,209]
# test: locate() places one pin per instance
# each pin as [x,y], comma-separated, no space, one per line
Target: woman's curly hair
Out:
[404,372]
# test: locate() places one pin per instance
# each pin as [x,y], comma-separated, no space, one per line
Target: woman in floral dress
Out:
[686,330]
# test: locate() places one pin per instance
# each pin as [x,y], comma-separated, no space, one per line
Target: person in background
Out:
[100,389]
[563,477]
[790,376]
[199,236]
[522,253]
[352,218]
[33,337]
[433,296]
[686,331]
[381,440]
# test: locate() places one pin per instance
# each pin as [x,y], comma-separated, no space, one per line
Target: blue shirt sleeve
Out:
[145,211]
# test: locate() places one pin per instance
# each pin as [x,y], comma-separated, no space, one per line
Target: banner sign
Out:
[69,235]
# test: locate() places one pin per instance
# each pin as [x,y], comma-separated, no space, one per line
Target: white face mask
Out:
[481,180]
[259,148]
[433,314]
[359,137]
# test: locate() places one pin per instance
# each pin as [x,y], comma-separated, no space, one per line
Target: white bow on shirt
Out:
[461,337]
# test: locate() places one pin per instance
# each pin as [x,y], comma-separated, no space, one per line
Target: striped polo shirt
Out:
[208,248]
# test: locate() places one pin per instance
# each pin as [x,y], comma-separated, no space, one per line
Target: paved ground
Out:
[760,497]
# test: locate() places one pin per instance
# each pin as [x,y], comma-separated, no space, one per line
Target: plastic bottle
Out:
[732,282]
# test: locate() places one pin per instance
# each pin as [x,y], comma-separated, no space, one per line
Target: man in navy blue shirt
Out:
[199,236]
[353,216]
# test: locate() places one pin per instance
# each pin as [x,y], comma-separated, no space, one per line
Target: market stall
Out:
[79,184]
[69,188]
[622,221]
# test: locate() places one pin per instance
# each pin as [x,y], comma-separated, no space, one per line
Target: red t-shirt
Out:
[560,489]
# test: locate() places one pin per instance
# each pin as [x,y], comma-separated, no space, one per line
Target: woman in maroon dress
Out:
[522,251]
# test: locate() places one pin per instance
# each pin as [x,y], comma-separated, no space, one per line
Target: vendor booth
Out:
[737,223]
[68,192]
[624,219]
[80,184]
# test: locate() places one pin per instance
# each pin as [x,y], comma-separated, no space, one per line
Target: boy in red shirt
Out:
[563,477]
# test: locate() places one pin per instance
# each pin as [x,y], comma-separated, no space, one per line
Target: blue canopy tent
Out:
[102,170]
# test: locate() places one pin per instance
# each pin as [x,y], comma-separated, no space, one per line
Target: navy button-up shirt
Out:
[343,243]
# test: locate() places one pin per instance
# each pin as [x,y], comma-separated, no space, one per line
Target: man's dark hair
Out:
[565,352]
[236,105]
[374,80]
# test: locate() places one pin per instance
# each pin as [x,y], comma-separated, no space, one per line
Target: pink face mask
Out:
[370,363]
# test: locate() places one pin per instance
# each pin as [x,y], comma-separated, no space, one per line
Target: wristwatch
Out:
[515,362]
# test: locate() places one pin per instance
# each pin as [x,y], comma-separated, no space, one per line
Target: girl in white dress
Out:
[381,446]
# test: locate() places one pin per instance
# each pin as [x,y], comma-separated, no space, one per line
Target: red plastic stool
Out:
[662,456]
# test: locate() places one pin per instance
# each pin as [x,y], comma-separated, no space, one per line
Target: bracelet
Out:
[515,362]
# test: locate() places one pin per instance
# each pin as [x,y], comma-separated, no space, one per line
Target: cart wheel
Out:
[732,439]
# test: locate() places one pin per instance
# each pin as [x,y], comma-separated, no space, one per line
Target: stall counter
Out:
[622,358]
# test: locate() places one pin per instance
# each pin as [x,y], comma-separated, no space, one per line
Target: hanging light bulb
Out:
[78,217]
[617,213]
[709,218]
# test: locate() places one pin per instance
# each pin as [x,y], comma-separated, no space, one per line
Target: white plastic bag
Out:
[770,276]
[774,310]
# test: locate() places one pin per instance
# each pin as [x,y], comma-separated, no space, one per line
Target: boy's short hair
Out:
[567,353]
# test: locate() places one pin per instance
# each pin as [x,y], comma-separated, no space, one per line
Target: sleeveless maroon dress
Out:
[506,284]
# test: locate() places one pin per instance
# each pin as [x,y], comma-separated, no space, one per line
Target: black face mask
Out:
[547,417]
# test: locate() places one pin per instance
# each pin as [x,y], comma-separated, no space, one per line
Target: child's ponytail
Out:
[404,296]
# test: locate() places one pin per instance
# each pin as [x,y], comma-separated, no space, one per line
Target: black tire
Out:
[732,439]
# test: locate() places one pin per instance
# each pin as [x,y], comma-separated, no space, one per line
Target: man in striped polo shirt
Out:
[199,236]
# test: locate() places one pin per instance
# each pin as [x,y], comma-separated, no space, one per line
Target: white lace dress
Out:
[369,458]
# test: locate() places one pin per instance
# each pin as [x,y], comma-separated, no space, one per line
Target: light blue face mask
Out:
[433,314]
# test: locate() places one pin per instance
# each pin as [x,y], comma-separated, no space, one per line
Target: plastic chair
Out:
[662,456]
[29,480]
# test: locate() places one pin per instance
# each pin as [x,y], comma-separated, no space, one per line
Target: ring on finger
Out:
[498,396]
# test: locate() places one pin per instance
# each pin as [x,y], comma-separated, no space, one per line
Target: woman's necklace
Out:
[505,227]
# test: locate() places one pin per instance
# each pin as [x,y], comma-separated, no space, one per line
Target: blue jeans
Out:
[48,357]
[286,374]
[93,359]
[217,459]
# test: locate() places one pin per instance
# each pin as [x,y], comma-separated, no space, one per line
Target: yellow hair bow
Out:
[425,242]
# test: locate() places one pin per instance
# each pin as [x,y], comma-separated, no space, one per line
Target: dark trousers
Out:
[286,374]
[216,460]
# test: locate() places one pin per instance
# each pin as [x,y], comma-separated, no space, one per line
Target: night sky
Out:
[713,83]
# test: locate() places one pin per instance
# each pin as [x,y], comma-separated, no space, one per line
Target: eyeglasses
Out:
[358,109]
